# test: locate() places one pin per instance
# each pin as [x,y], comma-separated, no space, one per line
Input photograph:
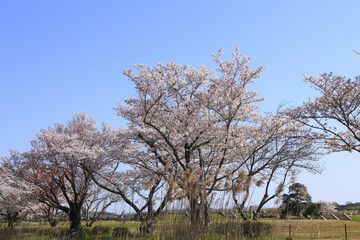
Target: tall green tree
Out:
[296,201]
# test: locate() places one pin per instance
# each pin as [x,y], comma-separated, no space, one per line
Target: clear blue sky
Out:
[59,58]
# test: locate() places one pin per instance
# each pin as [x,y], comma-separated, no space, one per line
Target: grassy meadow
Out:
[178,227]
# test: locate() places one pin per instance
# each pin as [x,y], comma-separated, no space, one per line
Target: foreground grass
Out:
[178,225]
[99,230]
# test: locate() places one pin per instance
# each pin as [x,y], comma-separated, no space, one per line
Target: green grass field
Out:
[281,229]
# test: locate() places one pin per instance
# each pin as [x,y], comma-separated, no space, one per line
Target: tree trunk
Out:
[87,217]
[207,215]
[11,217]
[256,215]
[10,222]
[240,207]
[194,213]
[147,225]
[75,219]
[53,221]
[199,214]
[243,215]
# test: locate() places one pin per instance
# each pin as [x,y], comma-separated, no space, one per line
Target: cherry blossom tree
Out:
[142,186]
[53,165]
[48,212]
[326,206]
[188,118]
[11,206]
[96,203]
[275,151]
[15,197]
[334,114]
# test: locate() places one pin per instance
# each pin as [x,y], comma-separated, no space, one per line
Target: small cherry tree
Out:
[96,204]
[275,150]
[16,199]
[326,206]
[48,212]
[53,166]
[142,186]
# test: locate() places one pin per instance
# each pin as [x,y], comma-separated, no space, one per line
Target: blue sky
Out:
[59,58]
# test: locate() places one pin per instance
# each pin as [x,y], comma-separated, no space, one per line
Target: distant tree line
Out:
[348,206]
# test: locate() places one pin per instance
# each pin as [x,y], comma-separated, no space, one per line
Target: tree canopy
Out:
[192,133]
[298,201]
[334,114]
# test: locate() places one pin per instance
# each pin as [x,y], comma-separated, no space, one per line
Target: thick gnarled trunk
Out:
[11,218]
[75,219]
[10,222]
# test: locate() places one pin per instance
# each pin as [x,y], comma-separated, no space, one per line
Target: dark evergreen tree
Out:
[297,201]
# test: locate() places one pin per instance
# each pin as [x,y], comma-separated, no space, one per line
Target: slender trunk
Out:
[265,200]
[256,215]
[243,215]
[148,222]
[206,215]
[240,207]
[53,221]
[87,216]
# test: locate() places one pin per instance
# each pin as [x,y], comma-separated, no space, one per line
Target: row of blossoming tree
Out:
[192,133]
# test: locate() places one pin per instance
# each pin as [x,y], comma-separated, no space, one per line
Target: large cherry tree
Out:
[188,119]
